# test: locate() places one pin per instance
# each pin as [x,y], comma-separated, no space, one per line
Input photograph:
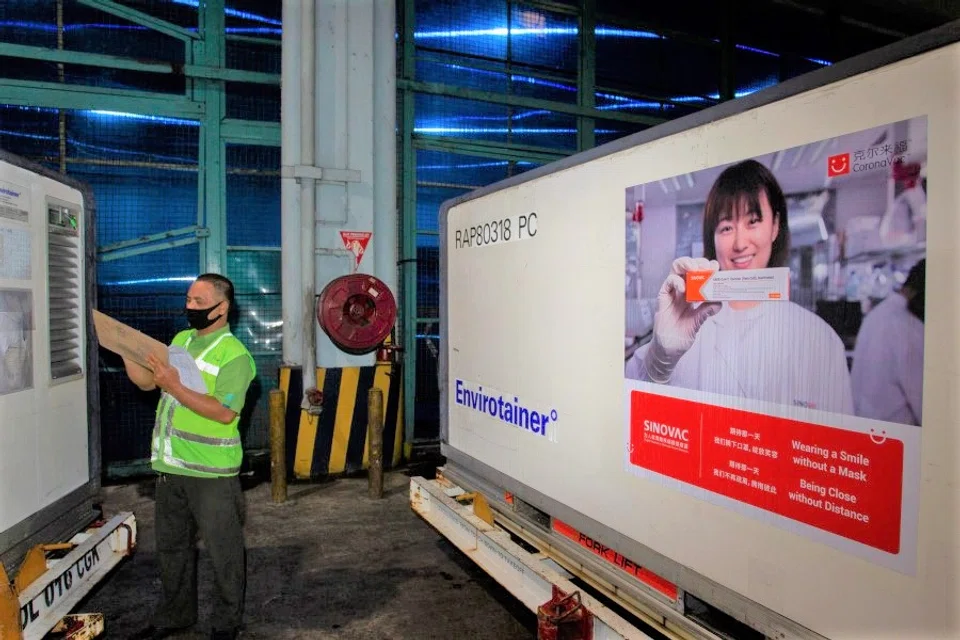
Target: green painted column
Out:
[408,257]
[587,73]
[210,52]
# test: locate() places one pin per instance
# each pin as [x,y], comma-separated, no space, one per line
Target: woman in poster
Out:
[769,351]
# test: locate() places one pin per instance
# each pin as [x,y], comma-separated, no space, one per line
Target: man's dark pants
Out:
[215,507]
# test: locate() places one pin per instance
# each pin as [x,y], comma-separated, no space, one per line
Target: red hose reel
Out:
[357,312]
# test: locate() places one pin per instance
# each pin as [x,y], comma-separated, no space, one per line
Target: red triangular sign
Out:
[356,242]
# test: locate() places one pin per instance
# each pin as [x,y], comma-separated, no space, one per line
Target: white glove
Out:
[677,321]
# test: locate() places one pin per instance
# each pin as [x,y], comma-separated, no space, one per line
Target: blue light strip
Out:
[101,149]
[141,118]
[265,31]
[600,32]
[513,77]
[442,130]
[439,130]
[47,28]
[129,283]
[499,32]
[470,165]
[626,103]
[109,115]
[636,104]
[764,52]
[233,13]
[700,99]
[504,118]
[753,88]
[50,28]
[627,33]
[502,32]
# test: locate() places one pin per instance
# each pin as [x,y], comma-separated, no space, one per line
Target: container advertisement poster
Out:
[773,355]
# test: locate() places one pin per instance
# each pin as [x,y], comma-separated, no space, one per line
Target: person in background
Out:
[888,357]
[196,451]
[767,351]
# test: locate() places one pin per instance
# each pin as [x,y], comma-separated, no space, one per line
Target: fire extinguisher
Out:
[564,617]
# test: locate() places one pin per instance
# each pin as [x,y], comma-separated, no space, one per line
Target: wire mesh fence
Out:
[253,264]
[144,174]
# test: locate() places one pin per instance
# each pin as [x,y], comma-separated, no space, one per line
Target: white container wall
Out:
[739,451]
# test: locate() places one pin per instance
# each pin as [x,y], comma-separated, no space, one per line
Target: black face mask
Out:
[198,317]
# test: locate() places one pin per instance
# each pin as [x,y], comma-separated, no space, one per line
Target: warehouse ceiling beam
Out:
[142,19]
[231,75]
[192,230]
[53,95]
[250,132]
[253,40]
[140,250]
[81,57]
[822,13]
[151,243]
[130,64]
[436,88]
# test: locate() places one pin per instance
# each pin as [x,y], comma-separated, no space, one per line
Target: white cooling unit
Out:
[49,421]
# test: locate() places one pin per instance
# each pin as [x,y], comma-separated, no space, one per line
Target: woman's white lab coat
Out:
[888,364]
[775,352]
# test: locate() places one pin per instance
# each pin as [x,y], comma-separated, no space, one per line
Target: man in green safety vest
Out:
[196,451]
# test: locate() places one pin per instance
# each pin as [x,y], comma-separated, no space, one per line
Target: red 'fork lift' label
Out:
[624,564]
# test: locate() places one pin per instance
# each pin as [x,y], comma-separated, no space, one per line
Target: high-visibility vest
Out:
[185,442]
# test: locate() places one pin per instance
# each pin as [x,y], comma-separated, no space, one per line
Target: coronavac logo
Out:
[838,165]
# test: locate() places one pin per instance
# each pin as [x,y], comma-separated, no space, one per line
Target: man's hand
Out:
[139,375]
[165,376]
[168,379]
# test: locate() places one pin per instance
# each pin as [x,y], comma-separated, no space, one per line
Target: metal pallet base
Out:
[529,576]
[43,602]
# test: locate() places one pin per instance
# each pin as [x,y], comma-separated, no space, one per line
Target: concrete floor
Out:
[329,563]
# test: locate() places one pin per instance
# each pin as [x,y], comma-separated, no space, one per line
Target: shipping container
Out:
[789,463]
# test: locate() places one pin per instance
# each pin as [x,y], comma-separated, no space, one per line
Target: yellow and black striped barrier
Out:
[335,441]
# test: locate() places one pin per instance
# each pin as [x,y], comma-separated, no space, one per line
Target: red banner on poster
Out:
[844,482]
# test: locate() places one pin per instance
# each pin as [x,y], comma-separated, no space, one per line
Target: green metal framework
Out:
[409,86]
[204,100]
[205,76]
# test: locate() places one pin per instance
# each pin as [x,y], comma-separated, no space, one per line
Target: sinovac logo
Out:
[666,434]
[508,408]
